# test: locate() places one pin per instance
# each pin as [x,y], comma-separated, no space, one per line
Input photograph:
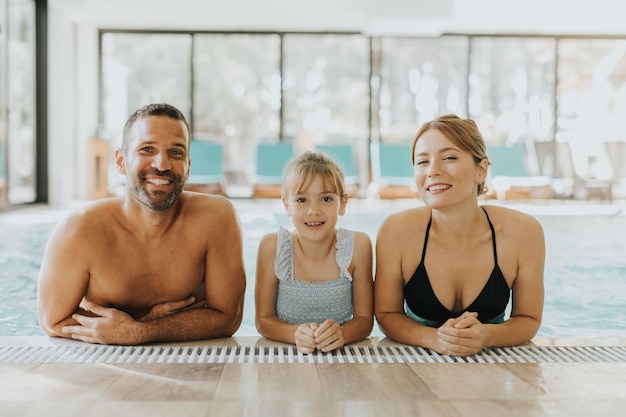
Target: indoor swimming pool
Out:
[585,274]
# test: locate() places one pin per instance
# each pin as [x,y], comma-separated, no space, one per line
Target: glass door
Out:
[17,102]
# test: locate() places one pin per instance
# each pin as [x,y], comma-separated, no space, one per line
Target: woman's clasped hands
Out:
[462,336]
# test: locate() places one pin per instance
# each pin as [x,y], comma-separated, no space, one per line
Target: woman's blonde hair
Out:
[302,171]
[463,133]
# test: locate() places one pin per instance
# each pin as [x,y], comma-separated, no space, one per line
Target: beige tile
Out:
[267,381]
[512,408]
[149,409]
[81,408]
[162,382]
[10,372]
[575,381]
[287,407]
[378,381]
[315,408]
[599,408]
[469,381]
[59,382]
[391,408]
[313,389]
[46,408]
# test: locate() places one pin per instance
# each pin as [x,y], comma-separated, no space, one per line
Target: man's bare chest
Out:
[135,279]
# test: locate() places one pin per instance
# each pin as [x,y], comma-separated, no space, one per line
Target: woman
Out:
[445,271]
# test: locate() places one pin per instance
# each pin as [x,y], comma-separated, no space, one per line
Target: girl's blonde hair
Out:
[302,170]
[463,133]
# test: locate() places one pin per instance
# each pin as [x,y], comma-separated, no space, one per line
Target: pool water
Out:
[585,274]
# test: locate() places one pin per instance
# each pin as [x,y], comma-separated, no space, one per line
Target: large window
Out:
[139,69]
[591,100]
[326,89]
[326,93]
[419,80]
[236,97]
[241,89]
[512,86]
[18,170]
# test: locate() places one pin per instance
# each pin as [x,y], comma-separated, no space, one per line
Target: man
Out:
[157,265]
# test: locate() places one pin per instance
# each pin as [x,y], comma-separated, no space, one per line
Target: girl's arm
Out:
[362,321]
[267,323]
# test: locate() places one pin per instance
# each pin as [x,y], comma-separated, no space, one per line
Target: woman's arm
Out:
[389,285]
[528,287]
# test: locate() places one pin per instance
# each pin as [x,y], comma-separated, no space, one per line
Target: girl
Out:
[314,284]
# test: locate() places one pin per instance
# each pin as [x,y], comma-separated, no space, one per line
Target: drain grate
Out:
[289,354]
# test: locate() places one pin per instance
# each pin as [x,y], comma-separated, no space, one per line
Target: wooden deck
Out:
[316,388]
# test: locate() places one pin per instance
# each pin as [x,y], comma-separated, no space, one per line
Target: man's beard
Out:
[157,200]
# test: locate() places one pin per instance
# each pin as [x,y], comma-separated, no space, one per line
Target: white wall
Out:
[73,44]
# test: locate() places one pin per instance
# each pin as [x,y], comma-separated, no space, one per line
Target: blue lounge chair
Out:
[392,172]
[510,177]
[207,167]
[342,154]
[271,159]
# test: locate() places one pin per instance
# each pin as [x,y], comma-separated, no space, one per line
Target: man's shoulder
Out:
[195,200]
[207,206]
[90,215]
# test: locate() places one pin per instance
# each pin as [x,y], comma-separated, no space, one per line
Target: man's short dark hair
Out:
[154,109]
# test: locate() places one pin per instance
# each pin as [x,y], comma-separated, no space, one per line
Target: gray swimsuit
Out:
[299,301]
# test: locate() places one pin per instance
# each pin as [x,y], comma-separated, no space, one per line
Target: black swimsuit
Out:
[423,305]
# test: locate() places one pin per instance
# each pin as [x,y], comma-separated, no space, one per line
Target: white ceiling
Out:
[402,17]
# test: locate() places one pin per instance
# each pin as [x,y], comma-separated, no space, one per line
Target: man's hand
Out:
[110,326]
[165,309]
[102,325]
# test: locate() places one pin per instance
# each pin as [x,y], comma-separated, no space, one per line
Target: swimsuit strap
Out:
[345,248]
[493,237]
[283,262]
[426,238]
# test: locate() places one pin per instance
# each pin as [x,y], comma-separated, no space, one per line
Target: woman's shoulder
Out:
[413,217]
[512,220]
[508,214]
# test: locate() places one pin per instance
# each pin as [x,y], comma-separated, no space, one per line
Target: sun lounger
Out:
[207,167]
